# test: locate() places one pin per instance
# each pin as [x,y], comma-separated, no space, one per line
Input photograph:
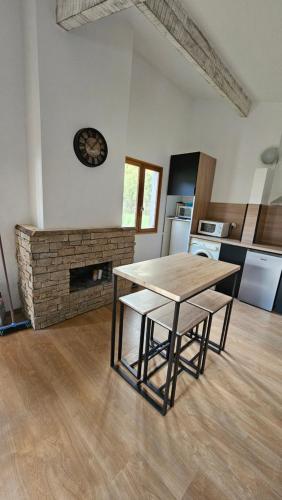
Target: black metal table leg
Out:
[227,325]
[170,357]
[147,347]
[203,346]
[114,313]
[175,371]
[229,311]
[120,336]
[141,346]
[224,330]
[169,339]
[234,285]
[206,345]
[152,332]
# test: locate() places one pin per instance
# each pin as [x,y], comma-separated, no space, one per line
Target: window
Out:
[141,195]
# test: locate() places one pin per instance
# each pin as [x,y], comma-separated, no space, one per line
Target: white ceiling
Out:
[247,34]
[163,55]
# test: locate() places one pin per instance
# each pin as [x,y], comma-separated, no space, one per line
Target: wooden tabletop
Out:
[178,276]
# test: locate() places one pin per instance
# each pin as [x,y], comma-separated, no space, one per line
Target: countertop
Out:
[229,241]
[182,219]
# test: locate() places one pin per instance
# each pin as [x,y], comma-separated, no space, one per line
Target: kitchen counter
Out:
[173,217]
[252,246]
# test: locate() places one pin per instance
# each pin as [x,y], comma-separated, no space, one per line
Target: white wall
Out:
[32,114]
[72,80]
[258,184]
[263,129]
[160,124]
[276,187]
[84,79]
[236,143]
[13,173]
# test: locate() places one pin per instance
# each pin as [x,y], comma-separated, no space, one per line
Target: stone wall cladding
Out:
[44,262]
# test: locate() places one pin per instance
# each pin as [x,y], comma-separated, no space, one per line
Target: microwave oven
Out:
[183,211]
[214,228]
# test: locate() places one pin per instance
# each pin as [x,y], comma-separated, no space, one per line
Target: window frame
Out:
[143,166]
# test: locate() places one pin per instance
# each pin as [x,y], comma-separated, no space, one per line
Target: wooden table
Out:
[177,277]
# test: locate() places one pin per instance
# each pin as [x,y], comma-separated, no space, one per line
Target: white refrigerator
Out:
[179,236]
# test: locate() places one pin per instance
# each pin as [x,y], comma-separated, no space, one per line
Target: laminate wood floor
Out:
[71,428]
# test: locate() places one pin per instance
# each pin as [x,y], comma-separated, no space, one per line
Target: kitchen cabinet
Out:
[235,255]
[183,174]
[192,174]
[278,300]
[260,279]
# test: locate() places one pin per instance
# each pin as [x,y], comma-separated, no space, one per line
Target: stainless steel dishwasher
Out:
[260,279]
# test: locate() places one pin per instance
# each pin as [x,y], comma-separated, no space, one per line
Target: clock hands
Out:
[90,147]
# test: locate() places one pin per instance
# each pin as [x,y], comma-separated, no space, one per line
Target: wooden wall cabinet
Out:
[269,225]
[183,174]
[192,174]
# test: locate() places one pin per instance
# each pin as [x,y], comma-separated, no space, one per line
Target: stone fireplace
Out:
[63,273]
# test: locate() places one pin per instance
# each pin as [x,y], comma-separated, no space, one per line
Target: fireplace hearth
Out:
[63,273]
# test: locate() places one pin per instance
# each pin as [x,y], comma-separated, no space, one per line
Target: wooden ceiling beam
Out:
[173,21]
[175,24]
[74,13]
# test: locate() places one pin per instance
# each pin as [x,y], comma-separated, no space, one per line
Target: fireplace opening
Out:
[88,276]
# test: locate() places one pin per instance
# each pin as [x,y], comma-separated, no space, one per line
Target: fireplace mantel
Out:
[45,258]
[30,230]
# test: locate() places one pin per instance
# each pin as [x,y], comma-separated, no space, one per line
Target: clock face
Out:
[90,147]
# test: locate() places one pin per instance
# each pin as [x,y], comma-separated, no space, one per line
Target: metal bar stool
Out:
[189,318]
[212,301]
[142,302]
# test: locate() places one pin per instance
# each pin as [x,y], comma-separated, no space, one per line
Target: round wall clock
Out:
[90,147]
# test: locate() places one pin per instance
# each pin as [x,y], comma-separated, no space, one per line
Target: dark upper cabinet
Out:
[192,174]
[235,255]
[183,174]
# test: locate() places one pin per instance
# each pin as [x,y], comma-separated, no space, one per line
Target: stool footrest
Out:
[194,357]
[188,344]
[139,389]
[187,370]
[188,362]
[159,390]
[158,349]
[128,367]
[157,368]
[212,344]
